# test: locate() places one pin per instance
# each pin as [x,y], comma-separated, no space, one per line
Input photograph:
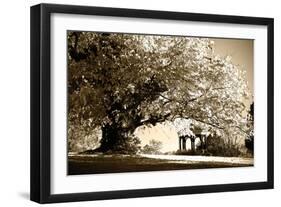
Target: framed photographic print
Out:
[133,103]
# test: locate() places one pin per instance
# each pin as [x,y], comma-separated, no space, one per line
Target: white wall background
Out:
[14,102]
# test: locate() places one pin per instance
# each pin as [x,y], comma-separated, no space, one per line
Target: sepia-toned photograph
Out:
[142,102]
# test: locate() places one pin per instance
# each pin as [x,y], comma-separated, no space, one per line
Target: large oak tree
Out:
[121,81]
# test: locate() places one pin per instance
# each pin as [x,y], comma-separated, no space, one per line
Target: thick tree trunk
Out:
[117,140]
[110,138]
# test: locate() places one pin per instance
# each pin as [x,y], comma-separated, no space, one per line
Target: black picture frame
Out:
[41,95]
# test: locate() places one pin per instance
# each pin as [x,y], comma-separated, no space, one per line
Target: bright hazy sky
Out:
[242,53]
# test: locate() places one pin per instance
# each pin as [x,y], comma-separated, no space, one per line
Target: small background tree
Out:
[153,147]
[249,141]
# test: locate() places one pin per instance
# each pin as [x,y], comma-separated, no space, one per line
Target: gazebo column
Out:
[205,142]
[184,143]
[192,142]
[180,145]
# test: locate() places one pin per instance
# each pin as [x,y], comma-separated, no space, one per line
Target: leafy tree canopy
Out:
[122,81]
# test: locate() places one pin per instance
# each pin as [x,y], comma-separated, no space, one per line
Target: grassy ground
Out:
[119,163]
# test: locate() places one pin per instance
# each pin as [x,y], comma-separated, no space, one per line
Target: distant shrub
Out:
[153,147]
[217,146]
[187,152]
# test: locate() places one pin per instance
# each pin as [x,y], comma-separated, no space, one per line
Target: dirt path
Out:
[192,159]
